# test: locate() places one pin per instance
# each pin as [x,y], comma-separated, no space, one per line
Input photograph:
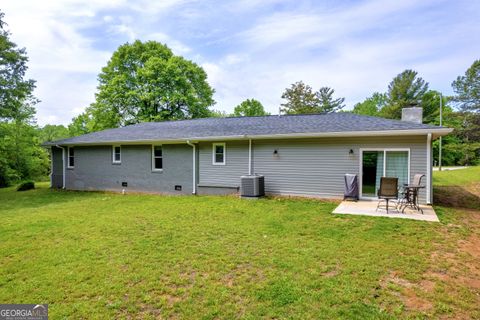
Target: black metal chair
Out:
[410,194]
[387,192]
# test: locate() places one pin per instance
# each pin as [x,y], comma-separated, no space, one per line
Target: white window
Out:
[218,153]
[71,157]
[117,154]
[157,158]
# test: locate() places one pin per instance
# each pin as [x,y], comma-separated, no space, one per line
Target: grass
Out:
[101,255]
[459,177]
[458,188]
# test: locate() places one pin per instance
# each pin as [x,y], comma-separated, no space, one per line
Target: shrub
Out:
[27,185]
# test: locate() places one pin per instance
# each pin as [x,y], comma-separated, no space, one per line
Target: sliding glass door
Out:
[383,163]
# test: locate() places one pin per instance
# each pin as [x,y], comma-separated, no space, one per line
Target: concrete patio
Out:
[369,208]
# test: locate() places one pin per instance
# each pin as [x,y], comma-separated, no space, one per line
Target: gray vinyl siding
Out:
[94,169]
[312,167]
[317,166]
[56,176]
[236,164]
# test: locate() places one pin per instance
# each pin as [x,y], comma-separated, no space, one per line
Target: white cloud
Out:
[178,47]
[62,59]
[357,50]
[249,48]
[156,7]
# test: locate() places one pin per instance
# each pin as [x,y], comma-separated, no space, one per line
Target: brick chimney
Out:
[412,114]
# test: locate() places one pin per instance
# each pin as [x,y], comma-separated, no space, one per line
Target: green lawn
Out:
[457,177]
[458,188]
[100,255]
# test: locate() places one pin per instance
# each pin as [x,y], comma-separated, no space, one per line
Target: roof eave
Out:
[436,132]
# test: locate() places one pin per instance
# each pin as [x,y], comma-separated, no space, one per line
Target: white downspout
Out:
[429,168]
[250,157]
[51,167]
[194,163]
[63,165]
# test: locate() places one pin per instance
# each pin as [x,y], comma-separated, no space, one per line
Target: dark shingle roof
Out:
[199,129]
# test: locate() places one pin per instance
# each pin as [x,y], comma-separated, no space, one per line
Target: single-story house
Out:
[306,155]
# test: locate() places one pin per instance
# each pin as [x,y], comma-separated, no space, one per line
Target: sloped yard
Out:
[458,188]
[96,255]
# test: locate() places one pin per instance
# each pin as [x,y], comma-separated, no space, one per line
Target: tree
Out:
[469,133]
[16,92]
[326,101]
[371,106]
[430,104]
[51,132]
[80,125]
[145,81]
[250,108]
[302,99]
[467,88]
[218,114]
[405,90]
[21,157]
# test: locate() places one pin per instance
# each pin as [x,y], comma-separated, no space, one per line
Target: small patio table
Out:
[411,198]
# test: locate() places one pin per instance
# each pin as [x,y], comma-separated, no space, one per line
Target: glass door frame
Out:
[385,150]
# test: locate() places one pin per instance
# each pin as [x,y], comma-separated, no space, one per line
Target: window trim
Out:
[113,154]
[68,157]
[214,145]
[153,158]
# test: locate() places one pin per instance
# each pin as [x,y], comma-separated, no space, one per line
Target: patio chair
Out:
[387,192]
[409,194]
[417,179]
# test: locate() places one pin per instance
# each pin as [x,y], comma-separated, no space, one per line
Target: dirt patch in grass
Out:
[458,196]
[450,287]
[414,302]
[471,246]
[242,273]
[332,273]
[408,292]
[462,266]
[455,267]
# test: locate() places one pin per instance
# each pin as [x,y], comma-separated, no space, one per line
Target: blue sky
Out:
[249,49]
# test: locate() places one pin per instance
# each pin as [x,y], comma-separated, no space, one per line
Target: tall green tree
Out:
[300,99]
[469,134]
[145,81]
[52,132]
[467,88]
[405,90]
[80,124]
[16,92]
[250,108]
[21,157]
[430,104]
[327,103]
[371,106]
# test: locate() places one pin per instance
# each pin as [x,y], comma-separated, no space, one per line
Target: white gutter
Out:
[63,165]
[250,157]
[435,133]
[194,164]
[429,168]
